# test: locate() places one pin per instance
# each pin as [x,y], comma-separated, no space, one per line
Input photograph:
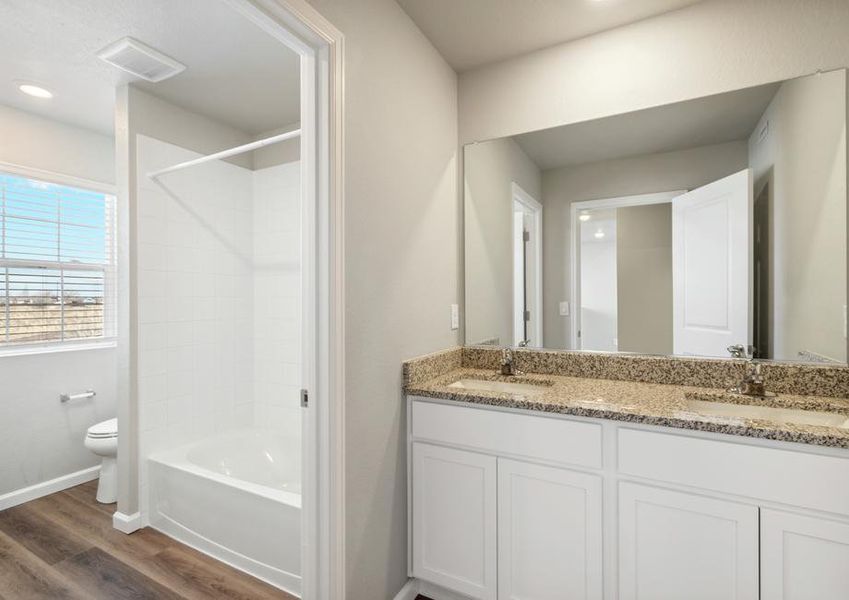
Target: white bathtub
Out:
[236,497]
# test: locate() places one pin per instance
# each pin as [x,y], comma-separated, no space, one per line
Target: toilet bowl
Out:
[102,439]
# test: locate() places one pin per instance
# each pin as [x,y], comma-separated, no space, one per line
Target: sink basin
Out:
[767,413]
[505,387]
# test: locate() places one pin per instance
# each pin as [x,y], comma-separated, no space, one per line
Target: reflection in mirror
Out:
[705,228]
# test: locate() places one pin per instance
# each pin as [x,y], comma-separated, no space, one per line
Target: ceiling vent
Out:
[141,60]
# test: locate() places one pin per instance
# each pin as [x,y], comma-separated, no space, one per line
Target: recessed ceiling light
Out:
[35,90]
[585,217]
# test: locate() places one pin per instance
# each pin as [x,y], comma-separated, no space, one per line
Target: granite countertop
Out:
[638,402]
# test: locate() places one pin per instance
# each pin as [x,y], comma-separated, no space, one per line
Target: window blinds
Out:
[57,259]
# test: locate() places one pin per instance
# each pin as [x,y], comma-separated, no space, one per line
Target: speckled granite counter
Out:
[631,401]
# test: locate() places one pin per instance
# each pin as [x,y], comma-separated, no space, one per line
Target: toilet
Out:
[102,439]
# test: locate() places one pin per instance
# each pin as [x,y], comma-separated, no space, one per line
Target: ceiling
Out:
[712,120]
[470,33]
[236,73]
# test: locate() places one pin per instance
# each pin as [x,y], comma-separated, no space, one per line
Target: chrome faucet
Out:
[738,351]
[753,383]
[508,366]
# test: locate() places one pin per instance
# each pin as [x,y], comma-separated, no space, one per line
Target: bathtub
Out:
[237,497]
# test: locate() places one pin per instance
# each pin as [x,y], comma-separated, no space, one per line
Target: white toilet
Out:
[102,439]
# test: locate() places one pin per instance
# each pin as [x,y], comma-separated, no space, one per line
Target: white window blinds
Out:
[57,262]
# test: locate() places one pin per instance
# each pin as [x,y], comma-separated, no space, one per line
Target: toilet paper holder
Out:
[81,396]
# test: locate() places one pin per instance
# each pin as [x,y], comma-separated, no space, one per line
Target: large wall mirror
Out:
[712,227]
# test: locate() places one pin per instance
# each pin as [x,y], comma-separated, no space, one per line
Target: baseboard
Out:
[127,523]
[409,591]
[439,593]
[414,587]
[46,488]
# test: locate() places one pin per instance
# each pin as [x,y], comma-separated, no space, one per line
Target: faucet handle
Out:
[737,351]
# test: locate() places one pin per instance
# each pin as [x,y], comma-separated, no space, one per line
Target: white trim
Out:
[25,349]
[321,46]
[127,523]
[58,178]
[529,202]
[575,245]
[431,590]
[409,591]
[414,587]
[45,488]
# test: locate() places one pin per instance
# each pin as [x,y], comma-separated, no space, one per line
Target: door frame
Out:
[535,208]
[575,246]
[304,30]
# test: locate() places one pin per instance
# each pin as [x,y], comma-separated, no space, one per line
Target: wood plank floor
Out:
[63,546]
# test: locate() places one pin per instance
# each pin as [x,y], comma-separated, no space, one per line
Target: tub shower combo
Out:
[219,355]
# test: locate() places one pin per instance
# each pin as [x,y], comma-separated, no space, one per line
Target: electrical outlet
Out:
[455,317]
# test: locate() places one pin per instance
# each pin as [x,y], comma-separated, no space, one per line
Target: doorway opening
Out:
[527,269]
[260,244]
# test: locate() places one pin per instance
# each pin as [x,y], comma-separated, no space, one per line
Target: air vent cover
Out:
[140,59]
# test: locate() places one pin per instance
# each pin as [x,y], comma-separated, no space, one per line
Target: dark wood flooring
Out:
[63,546]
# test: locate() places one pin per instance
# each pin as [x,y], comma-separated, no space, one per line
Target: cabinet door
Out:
[549,533]
[674,545]
[803,558]
[454,506]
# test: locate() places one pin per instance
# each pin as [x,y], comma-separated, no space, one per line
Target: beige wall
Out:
[803,160]
[277,154]
[708,48]
[644,278]
[35,142]
[666,172]
[490,170]
[402,255]
[168,122]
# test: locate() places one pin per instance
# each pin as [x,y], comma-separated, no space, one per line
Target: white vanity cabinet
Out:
[492,528]
[454,522]
[516,505]
[803,557]
[489,526]
[549,533]
[675,545]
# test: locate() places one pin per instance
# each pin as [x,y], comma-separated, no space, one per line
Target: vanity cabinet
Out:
[514,505]
[454,521]
[675,545]
[549,533]
[495,528]
[803,557]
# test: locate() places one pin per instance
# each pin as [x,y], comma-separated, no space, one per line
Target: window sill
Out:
[54,348]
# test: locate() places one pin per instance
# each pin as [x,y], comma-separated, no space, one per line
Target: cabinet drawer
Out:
[787,476]
[509,434]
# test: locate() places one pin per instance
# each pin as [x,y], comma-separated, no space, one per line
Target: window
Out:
[57,263]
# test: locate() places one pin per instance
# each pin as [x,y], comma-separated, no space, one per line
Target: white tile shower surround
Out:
[218,293]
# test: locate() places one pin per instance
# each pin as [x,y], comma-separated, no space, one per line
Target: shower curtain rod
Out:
[274,139]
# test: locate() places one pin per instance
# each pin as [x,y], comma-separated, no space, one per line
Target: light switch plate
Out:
[455,317]
[564,309]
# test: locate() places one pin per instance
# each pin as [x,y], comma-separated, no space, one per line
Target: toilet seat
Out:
[104,430]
